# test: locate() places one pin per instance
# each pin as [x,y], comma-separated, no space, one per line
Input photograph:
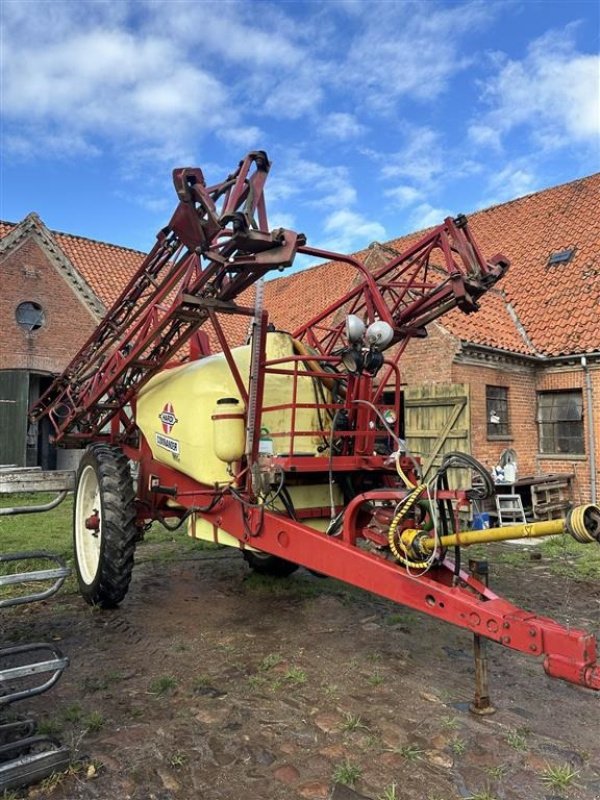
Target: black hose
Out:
[465,461]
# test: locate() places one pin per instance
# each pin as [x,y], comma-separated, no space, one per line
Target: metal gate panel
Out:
[14,400]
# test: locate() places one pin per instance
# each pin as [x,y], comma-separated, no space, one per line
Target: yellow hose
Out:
[406,507]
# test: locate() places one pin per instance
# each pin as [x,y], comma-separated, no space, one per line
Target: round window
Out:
[30,316]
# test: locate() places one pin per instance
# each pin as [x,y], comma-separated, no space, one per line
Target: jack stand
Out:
[481,704]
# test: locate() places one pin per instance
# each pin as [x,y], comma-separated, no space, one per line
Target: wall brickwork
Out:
[26,274]
[573,377]
[431,357]
[520,382]
[438,359]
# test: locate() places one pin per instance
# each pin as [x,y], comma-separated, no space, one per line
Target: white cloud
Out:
[339,125]
[554,92]
[404,195]
[485,136]
[427,216]
[515,180]
[348,230]
[250,136]
[409,49]
[420,159]
[108,83]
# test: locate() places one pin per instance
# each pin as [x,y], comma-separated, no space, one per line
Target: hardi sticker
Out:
[168,418]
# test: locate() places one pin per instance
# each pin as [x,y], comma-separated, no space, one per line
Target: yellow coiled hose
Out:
[398,517]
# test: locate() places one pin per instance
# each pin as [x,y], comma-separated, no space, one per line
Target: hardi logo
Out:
[168,418]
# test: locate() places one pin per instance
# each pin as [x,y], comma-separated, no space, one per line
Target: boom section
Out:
[443,270]
[215,246]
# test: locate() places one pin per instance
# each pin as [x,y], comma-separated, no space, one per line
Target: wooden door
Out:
[437,421]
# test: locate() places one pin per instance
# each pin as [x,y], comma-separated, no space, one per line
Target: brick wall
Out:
[573,377]
[436,360]
[520,382]
[431,357]
[27,275]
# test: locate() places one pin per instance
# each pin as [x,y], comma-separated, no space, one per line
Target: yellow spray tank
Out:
[186,427]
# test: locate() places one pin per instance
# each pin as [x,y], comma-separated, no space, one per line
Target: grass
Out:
[178,759]
[295,676]
[559,777]
[376,679]
[410,752]
[347,773]
[449,723]
[484,794]
[49,727]
[389,793]
[162,685]
[561,555]
[93,721]
[352,722]
[497,773]
[517,739]
[458,746]
[269,661]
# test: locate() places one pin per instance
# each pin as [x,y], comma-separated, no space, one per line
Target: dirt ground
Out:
[213,683]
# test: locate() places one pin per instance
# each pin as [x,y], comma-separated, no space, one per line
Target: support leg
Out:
[481,704]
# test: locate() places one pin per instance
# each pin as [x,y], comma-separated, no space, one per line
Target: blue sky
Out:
[379,118]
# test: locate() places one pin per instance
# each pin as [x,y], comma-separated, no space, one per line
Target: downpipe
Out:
[591,438]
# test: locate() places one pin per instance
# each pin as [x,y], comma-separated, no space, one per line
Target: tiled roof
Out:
[557,306]
[549,310]
[106,267]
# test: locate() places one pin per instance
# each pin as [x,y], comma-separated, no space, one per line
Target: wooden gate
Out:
[437,421]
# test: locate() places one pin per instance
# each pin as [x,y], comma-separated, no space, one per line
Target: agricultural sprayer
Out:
[289,446]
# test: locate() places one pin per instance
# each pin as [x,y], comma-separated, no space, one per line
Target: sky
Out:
[379,118]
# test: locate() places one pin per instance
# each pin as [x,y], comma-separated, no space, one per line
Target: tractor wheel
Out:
[265,564]
[104,529]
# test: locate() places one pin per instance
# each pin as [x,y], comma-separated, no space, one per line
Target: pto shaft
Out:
[582,523]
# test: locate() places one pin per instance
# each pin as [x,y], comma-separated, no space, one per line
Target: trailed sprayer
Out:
[289,446]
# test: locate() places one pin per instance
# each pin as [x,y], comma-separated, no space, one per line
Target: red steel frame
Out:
[216,245]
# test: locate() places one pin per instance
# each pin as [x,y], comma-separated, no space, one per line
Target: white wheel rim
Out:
[86,544]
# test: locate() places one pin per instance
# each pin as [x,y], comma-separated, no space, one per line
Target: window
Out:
[497,411]
[562,257]
[560,422]
[30,316]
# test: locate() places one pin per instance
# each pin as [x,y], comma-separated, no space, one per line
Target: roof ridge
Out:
[33,225]
[76,235]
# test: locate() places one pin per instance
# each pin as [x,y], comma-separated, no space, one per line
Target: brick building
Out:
[525,370]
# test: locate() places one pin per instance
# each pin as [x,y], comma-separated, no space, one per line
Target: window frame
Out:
[502,429]
[568,415]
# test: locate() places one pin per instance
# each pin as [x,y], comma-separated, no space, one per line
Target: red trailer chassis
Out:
[216,245]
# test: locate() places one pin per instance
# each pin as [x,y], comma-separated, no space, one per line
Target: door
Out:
[437,421]
[14,397]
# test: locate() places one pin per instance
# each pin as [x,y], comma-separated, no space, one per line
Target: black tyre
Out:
[265,564]
[105,546]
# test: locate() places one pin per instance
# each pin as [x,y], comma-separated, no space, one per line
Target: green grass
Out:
[347,773]
[458,746]
[162,685]
[48,531]
[561,555]
[484,794]
[269,661]
[517,739]
[352,722]
[389,793]
[559,777]
[93,721]
[410,752]
[497,773]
